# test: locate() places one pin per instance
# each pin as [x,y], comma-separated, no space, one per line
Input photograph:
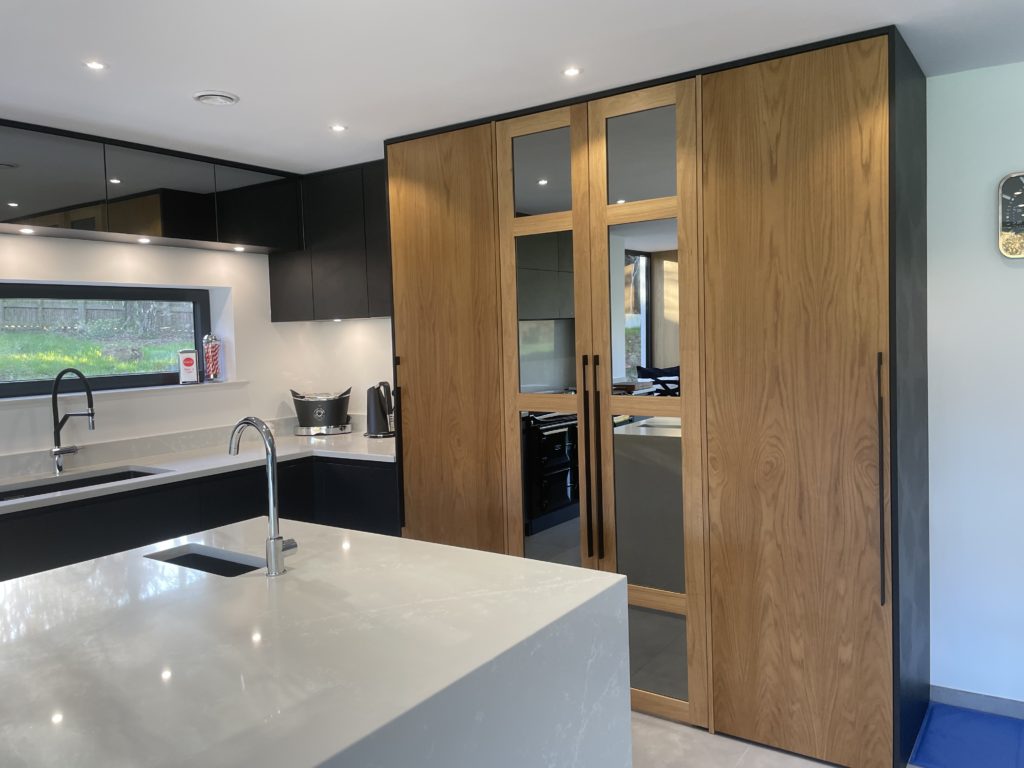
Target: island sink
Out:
[220,562]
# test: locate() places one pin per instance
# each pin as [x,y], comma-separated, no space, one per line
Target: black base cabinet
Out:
[359,495]
[351,494]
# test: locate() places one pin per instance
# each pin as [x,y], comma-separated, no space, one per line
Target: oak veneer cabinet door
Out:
[795,182]
[447,336]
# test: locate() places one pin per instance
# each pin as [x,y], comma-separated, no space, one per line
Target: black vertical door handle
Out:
[586,458]
[881,476]
[600,463]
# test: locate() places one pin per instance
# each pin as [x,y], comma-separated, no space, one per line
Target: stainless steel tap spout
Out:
[276,546]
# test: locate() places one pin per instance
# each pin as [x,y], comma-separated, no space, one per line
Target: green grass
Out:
[34,356]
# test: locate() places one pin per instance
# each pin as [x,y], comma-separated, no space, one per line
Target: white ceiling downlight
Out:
[27,231]
[216,98]
[13,205]
[239,248]
[94,65]
[144,240]
[571,71]
[339,128]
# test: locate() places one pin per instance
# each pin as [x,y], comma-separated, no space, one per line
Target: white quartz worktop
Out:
[189,464]
[369,651]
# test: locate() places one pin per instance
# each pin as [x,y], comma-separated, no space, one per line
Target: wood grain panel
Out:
[658,599]
[446,320]
[795,164]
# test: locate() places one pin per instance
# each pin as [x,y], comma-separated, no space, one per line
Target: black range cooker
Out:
[550,470]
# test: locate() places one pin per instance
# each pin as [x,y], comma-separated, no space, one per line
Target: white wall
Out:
[976,385]
[271,357]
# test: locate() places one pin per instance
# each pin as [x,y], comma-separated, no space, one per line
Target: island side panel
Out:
[561,697]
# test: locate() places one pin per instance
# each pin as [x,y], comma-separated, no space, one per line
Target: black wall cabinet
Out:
[353,494]
[83,183]
[344,270]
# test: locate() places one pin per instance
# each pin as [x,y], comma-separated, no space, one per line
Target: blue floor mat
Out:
[952,737]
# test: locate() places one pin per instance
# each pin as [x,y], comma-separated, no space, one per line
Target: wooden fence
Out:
[76,314]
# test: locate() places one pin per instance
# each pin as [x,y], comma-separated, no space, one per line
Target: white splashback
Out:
[269,357]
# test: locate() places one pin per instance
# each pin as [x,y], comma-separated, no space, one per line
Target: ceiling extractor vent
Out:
[215,98]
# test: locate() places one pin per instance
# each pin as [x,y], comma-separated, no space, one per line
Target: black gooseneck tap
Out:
[59,452]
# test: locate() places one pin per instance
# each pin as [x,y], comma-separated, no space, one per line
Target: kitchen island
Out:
[369,651]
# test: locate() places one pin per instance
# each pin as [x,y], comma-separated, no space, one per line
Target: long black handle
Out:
[600,463]
[881,478]
[586,457]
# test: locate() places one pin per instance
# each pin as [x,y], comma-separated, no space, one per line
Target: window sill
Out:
[102,394]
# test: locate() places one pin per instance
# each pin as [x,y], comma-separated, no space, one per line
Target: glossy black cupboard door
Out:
[333,218]
[48,180]
[378,251]
[159,195]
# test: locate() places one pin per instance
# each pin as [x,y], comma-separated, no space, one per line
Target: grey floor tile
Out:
[661,744]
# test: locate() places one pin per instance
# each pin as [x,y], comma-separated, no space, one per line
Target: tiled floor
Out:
[661,744]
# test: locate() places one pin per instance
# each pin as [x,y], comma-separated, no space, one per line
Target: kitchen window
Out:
[119,337]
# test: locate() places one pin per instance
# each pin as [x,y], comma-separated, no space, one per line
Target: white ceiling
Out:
[391,68]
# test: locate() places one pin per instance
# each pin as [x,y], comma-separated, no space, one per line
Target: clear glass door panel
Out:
[648,470]
[550,448]
[643,269]
[657,652]
[542,172]
[546,313]
[642,155]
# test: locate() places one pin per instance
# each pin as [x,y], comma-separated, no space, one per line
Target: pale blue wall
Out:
[976,385]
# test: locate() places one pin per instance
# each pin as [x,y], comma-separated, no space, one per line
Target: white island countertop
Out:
[369,651]
[190,464]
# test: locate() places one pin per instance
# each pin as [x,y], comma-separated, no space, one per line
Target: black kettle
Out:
[380,411]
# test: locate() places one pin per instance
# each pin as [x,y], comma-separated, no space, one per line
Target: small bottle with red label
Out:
[188,366]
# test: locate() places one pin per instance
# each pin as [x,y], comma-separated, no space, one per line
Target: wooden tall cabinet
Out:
[759,230]
[797,340]
[446,325]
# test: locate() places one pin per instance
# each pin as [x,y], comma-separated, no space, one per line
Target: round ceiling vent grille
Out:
[215,98]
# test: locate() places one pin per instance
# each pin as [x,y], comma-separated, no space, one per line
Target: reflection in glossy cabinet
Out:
[51,181]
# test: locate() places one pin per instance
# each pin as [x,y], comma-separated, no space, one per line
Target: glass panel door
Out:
[543,214]
[645,383]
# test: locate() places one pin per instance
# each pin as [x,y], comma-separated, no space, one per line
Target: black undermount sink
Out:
[39,487]
[200,557]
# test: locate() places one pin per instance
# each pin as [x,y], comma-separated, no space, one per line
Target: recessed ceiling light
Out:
[96,65]
[619,202]
[337,319]
[56,718]
[215,98]
[165,675]
[338,128]
[27,231]
[571,71]
[13,205]
[239,248]
[144,240]
[542,182]
[115,181]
